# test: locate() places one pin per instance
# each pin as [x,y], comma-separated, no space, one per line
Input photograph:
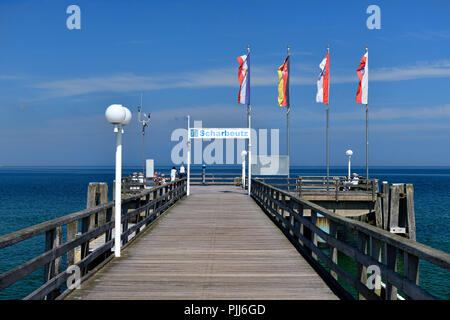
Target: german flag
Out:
[283,83]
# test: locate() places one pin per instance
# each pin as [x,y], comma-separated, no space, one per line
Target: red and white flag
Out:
[244,79]
[323,83]
[363,75]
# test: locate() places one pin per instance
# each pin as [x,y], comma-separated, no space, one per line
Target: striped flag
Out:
[283,83]
[324,80]
[244,79]
[363,75]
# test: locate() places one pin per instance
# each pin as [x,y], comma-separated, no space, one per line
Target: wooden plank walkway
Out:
[215,244]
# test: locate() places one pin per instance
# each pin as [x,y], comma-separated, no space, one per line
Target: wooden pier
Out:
[219,243]
[216,244]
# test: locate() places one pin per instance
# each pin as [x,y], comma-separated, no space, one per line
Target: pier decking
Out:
[215,244]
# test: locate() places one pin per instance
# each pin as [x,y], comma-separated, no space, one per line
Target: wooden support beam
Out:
[385,204]
[410,212]
[394,206]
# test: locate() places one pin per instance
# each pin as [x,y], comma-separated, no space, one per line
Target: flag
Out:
[283,84]
[244,79]
[324,80]
[363,75]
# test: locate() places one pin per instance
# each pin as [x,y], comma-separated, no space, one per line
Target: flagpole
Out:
[188,160]
[249,152]
[367,141]
[327,138]
[288,111]
[367,132]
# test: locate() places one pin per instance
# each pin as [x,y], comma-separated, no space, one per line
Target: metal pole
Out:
[367,141]
[143,141]
[118,191]
[327,146]
[188,157]
[349,166]
[367,135]
[143,150]
[288,111]
[328,128]
[249,153]
[249,142]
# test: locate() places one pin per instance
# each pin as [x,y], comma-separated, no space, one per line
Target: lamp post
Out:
[119,116]
[243,155]
[349,154]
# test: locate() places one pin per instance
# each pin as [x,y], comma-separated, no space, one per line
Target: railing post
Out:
[53,239]
[123,212]
[375,252]
[301,225]
[147,208]
[300,187]
[72,230]
[313,234]
[292,220]
[362,269]
[155,204]
[391,262]
[336,185]
[333,250]
[85,222]
[108,218]
[374,195]
[411,267]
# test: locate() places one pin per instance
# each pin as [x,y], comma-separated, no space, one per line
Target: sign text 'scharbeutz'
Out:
[219,133]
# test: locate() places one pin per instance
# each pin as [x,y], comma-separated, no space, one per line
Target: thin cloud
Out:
[386,114]
[226,77]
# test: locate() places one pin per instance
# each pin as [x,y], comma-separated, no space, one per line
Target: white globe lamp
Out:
[119,116]
[115,114]
[349,154]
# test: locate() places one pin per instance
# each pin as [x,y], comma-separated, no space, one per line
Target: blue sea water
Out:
[31,195]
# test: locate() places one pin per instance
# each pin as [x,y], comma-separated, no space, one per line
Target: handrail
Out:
[153,202]
[32,231]
[287,211]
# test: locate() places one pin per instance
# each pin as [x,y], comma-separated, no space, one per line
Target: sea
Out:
[31,195]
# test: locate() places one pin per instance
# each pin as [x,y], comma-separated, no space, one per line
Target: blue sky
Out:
[56,83]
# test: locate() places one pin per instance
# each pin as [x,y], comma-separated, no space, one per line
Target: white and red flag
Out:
[244,79]
[363,75]
[323,83]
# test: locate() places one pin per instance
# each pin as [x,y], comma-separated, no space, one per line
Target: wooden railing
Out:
[374,247]
[212,178]
[130,186]
[320,184]
[96,223]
